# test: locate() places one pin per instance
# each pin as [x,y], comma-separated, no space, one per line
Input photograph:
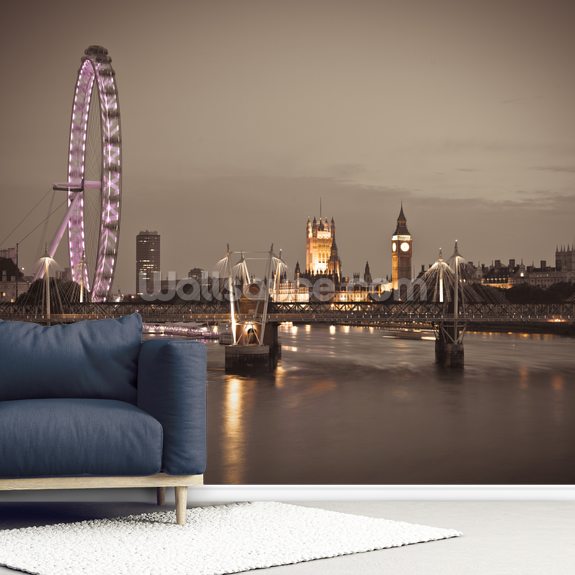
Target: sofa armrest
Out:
[172,388]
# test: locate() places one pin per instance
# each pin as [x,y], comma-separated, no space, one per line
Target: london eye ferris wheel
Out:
[94,171]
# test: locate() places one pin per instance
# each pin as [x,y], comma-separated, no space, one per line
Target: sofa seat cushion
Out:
[95,359]
[71,437]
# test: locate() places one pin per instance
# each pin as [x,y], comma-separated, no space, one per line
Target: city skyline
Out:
[462,112]
[321,260]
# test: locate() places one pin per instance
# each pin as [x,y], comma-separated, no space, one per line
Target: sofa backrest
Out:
[88,359]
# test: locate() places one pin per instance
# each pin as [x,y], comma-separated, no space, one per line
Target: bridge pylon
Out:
[449,350]
[254,342]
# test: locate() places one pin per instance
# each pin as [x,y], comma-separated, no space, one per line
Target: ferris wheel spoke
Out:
[60,232]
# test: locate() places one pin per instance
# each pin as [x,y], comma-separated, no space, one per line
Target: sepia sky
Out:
[238,115]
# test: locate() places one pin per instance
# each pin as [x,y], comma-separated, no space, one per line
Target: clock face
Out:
[394,246]
[404,247]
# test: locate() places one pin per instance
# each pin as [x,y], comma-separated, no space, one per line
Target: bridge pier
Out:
[248,356]
[449,351]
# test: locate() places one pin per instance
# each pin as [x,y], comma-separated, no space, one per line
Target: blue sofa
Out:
[89,404]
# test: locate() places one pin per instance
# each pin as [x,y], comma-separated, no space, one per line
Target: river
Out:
[354,405]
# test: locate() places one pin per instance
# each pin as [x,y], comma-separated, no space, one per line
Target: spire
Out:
[401,229]
[367,274]
[333,252]
[456,250]
[334,266]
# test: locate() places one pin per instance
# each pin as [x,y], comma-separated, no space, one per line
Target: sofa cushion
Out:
[172,388]
[70,437]
[92,359]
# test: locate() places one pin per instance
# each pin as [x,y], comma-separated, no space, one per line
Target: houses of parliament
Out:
[323,260]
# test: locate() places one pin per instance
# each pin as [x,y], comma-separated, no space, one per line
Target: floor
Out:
[500,537]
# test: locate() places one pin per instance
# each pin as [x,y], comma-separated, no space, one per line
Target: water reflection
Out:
[280,373]
[233,441]
[558,385]
[558,382]
[293,348]
[523,377]
[354,406]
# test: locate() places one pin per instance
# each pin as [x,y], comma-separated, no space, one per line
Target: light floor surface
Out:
[500,537]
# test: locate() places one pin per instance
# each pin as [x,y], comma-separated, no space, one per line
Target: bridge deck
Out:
[358,313]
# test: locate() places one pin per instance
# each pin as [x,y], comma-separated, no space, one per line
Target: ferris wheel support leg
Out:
[59,233]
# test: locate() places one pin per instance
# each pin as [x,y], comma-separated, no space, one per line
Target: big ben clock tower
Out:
[401,252]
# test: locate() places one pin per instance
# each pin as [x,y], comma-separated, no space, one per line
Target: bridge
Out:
[348,313]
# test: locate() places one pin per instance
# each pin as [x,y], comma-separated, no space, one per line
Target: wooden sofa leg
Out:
[161,495]
[181,504]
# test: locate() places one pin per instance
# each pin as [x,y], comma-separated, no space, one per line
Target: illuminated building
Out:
[147,258]
[322,258]
[401,252]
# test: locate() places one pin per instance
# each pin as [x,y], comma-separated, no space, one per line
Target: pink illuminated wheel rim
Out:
[95,74]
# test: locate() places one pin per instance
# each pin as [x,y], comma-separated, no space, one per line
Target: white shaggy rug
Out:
[216,539]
